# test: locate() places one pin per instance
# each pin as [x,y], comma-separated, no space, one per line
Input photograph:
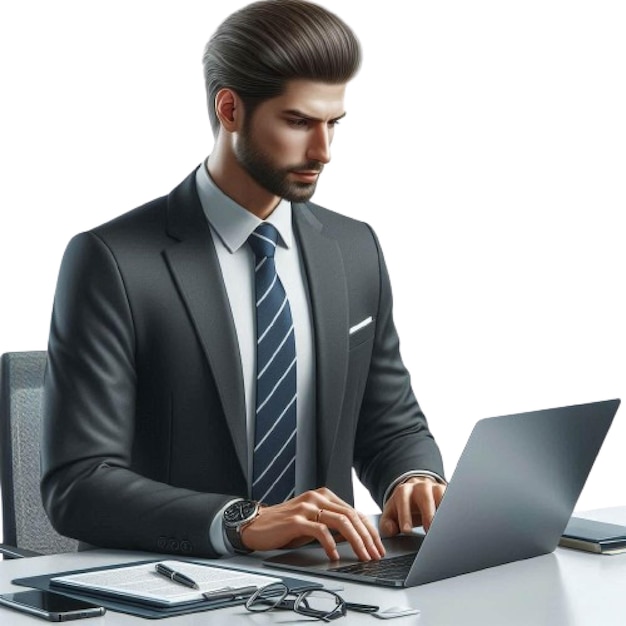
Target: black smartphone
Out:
[49,605]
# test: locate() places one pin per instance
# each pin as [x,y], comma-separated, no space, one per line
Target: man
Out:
[233,343]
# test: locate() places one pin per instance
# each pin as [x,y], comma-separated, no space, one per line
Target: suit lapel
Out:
[329,301]
[194,265]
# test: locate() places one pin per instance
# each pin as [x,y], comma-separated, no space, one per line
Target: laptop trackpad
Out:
[314,557]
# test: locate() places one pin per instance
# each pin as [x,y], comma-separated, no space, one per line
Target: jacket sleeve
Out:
[392,434]
[89,488]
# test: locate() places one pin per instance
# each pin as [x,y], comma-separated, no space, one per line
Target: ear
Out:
[229,109]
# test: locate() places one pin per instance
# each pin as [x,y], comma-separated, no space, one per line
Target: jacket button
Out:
[186,546]
[162,543]
[173,545]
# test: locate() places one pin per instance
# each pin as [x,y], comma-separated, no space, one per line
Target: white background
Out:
[485,142]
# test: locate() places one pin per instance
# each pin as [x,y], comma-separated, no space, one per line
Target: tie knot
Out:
[263,241]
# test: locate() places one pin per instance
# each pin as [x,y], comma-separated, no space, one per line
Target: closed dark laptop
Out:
[510,498]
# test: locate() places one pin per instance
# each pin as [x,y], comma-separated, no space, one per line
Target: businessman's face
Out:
[285,143]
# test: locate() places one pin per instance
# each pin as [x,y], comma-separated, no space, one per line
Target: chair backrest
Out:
[25,522]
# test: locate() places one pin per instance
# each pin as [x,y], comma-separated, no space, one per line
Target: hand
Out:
[412,503]
[312,515]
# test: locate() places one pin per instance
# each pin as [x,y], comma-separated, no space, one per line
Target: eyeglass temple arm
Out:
[362,608]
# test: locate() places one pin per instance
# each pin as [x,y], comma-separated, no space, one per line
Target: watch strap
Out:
[233,535]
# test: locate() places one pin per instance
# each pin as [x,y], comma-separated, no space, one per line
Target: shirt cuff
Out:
[408,475]
[217,536]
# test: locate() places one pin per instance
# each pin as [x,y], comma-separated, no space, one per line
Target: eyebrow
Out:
[297,113]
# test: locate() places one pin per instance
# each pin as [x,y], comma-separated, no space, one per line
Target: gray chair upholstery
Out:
[27,530]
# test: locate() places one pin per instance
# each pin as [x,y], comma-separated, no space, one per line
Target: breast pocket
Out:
[361,332]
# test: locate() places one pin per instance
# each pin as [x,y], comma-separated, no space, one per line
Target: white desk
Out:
[566,588]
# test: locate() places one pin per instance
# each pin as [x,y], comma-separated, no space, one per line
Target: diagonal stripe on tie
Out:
[275,388]
[275,461]
[284,303]
[273,478]
[276,484]
[276,422]
[276,352]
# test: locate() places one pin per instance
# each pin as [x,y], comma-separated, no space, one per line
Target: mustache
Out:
[308,166]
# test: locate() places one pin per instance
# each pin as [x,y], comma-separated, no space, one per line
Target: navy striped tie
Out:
[274,459]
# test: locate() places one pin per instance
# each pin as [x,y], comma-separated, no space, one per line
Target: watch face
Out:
[240,512]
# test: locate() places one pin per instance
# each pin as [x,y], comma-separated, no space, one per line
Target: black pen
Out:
[177,577]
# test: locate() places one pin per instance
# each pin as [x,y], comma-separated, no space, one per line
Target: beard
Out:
[266,173]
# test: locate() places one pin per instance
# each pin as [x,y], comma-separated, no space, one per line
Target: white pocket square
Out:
[363,324]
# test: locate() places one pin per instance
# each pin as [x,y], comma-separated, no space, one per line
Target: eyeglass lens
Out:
[315,602]
[320,603]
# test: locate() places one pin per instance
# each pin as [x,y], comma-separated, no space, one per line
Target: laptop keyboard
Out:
[392,568]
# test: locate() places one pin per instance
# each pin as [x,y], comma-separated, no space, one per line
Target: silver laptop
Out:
[510,498]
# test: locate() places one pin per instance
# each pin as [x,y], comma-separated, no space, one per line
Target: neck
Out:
[238,185]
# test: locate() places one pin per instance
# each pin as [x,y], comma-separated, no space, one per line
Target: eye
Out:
[298,122]
[333,123]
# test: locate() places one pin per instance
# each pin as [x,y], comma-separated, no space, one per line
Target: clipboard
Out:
[142,609]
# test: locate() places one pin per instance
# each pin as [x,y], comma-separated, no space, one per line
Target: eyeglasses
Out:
[310,601]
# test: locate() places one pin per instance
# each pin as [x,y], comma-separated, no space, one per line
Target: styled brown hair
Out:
[261,47]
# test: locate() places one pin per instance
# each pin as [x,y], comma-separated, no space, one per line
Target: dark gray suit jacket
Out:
[144,420]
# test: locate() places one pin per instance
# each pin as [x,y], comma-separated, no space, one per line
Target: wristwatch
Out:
[236,517]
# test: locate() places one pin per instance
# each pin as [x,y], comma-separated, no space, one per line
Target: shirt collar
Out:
[234,224]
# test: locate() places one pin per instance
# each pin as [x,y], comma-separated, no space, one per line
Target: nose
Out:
[319,144]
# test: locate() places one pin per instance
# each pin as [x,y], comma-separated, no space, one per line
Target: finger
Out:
[424,501]
[373,533]
[330,502]
[363,547]
[324,537]
[438,492]
[387,524]
[369,534]
[367,531]
[342,523]
[403,504]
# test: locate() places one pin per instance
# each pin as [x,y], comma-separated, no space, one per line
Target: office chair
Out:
[27,530]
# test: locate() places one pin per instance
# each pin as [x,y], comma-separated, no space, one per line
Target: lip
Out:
[306,175]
